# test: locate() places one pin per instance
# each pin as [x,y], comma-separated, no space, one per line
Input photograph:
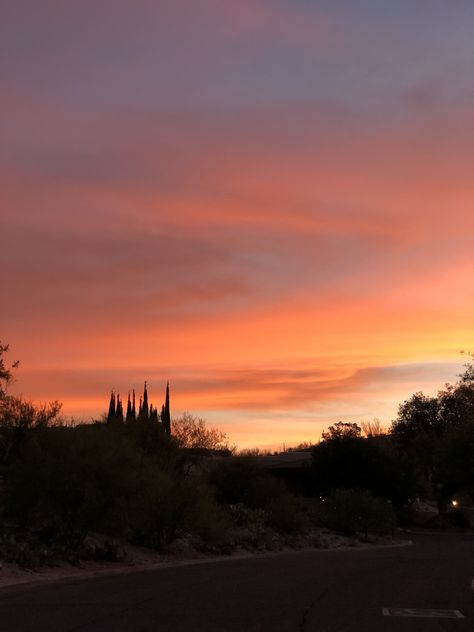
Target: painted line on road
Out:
[426,613]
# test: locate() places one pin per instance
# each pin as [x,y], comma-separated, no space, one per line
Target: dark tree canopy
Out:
[418,415]
[455,462]
[456,404]
[341,430]
[433,416]
[17,415]
[358,463]
[436,435]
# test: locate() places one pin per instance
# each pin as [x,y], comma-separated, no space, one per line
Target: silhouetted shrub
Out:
[18,418]
[454,473]
[354,462]
[458,518]
[102,550]
[68,482]
[166,506]
[249,526]
[242,480]
[232,479]
[286,516]
[20,551]
[356,511]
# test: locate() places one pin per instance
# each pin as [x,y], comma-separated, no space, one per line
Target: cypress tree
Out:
[129,416]
[145,412]
[165,411]
[111,413]
[119,410]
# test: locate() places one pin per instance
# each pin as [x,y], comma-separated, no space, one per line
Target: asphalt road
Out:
[324,591]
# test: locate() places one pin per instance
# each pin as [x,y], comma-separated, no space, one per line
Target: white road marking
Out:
[429,613]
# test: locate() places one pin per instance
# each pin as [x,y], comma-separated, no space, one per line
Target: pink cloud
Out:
[139,237]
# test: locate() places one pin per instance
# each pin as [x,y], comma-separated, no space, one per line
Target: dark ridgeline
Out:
[146,411]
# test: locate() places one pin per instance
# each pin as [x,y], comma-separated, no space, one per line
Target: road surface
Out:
[323,591]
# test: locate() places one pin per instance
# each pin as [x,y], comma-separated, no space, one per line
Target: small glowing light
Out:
[454,503]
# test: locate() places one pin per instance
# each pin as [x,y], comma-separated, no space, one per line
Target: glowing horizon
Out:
[267,202]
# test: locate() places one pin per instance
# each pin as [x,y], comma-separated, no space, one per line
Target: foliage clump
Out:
[193,433]
[352,511]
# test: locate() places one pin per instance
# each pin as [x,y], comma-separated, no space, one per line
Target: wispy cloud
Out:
[244,185]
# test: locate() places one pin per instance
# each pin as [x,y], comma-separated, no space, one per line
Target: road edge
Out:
[165,565]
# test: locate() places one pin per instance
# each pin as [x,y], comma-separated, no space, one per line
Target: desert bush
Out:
[241,480]
[26,549]
[206,520]
[18,418]
[232,478]
[18,550]
[354,462]
[166,506]
[66,483]
[259,505]
[459,518]
[357,511]
[101,550]
[249,529]
[266,529]
[286,516]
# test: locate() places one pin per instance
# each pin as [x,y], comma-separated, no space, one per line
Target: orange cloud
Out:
[273,256]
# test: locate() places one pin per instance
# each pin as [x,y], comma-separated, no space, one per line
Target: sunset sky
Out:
[268,202]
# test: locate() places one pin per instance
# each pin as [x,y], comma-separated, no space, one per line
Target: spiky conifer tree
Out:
[145,410]
[153,413]
[129,416]
[165,411]
[119,410]
[111,413]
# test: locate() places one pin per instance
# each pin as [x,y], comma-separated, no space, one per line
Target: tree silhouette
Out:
[192,432]
[5,371]
[341,430]
[119,410]
[111,413]
[165,411]
[418,415]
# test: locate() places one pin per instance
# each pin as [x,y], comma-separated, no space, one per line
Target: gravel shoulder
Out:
[139,559]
